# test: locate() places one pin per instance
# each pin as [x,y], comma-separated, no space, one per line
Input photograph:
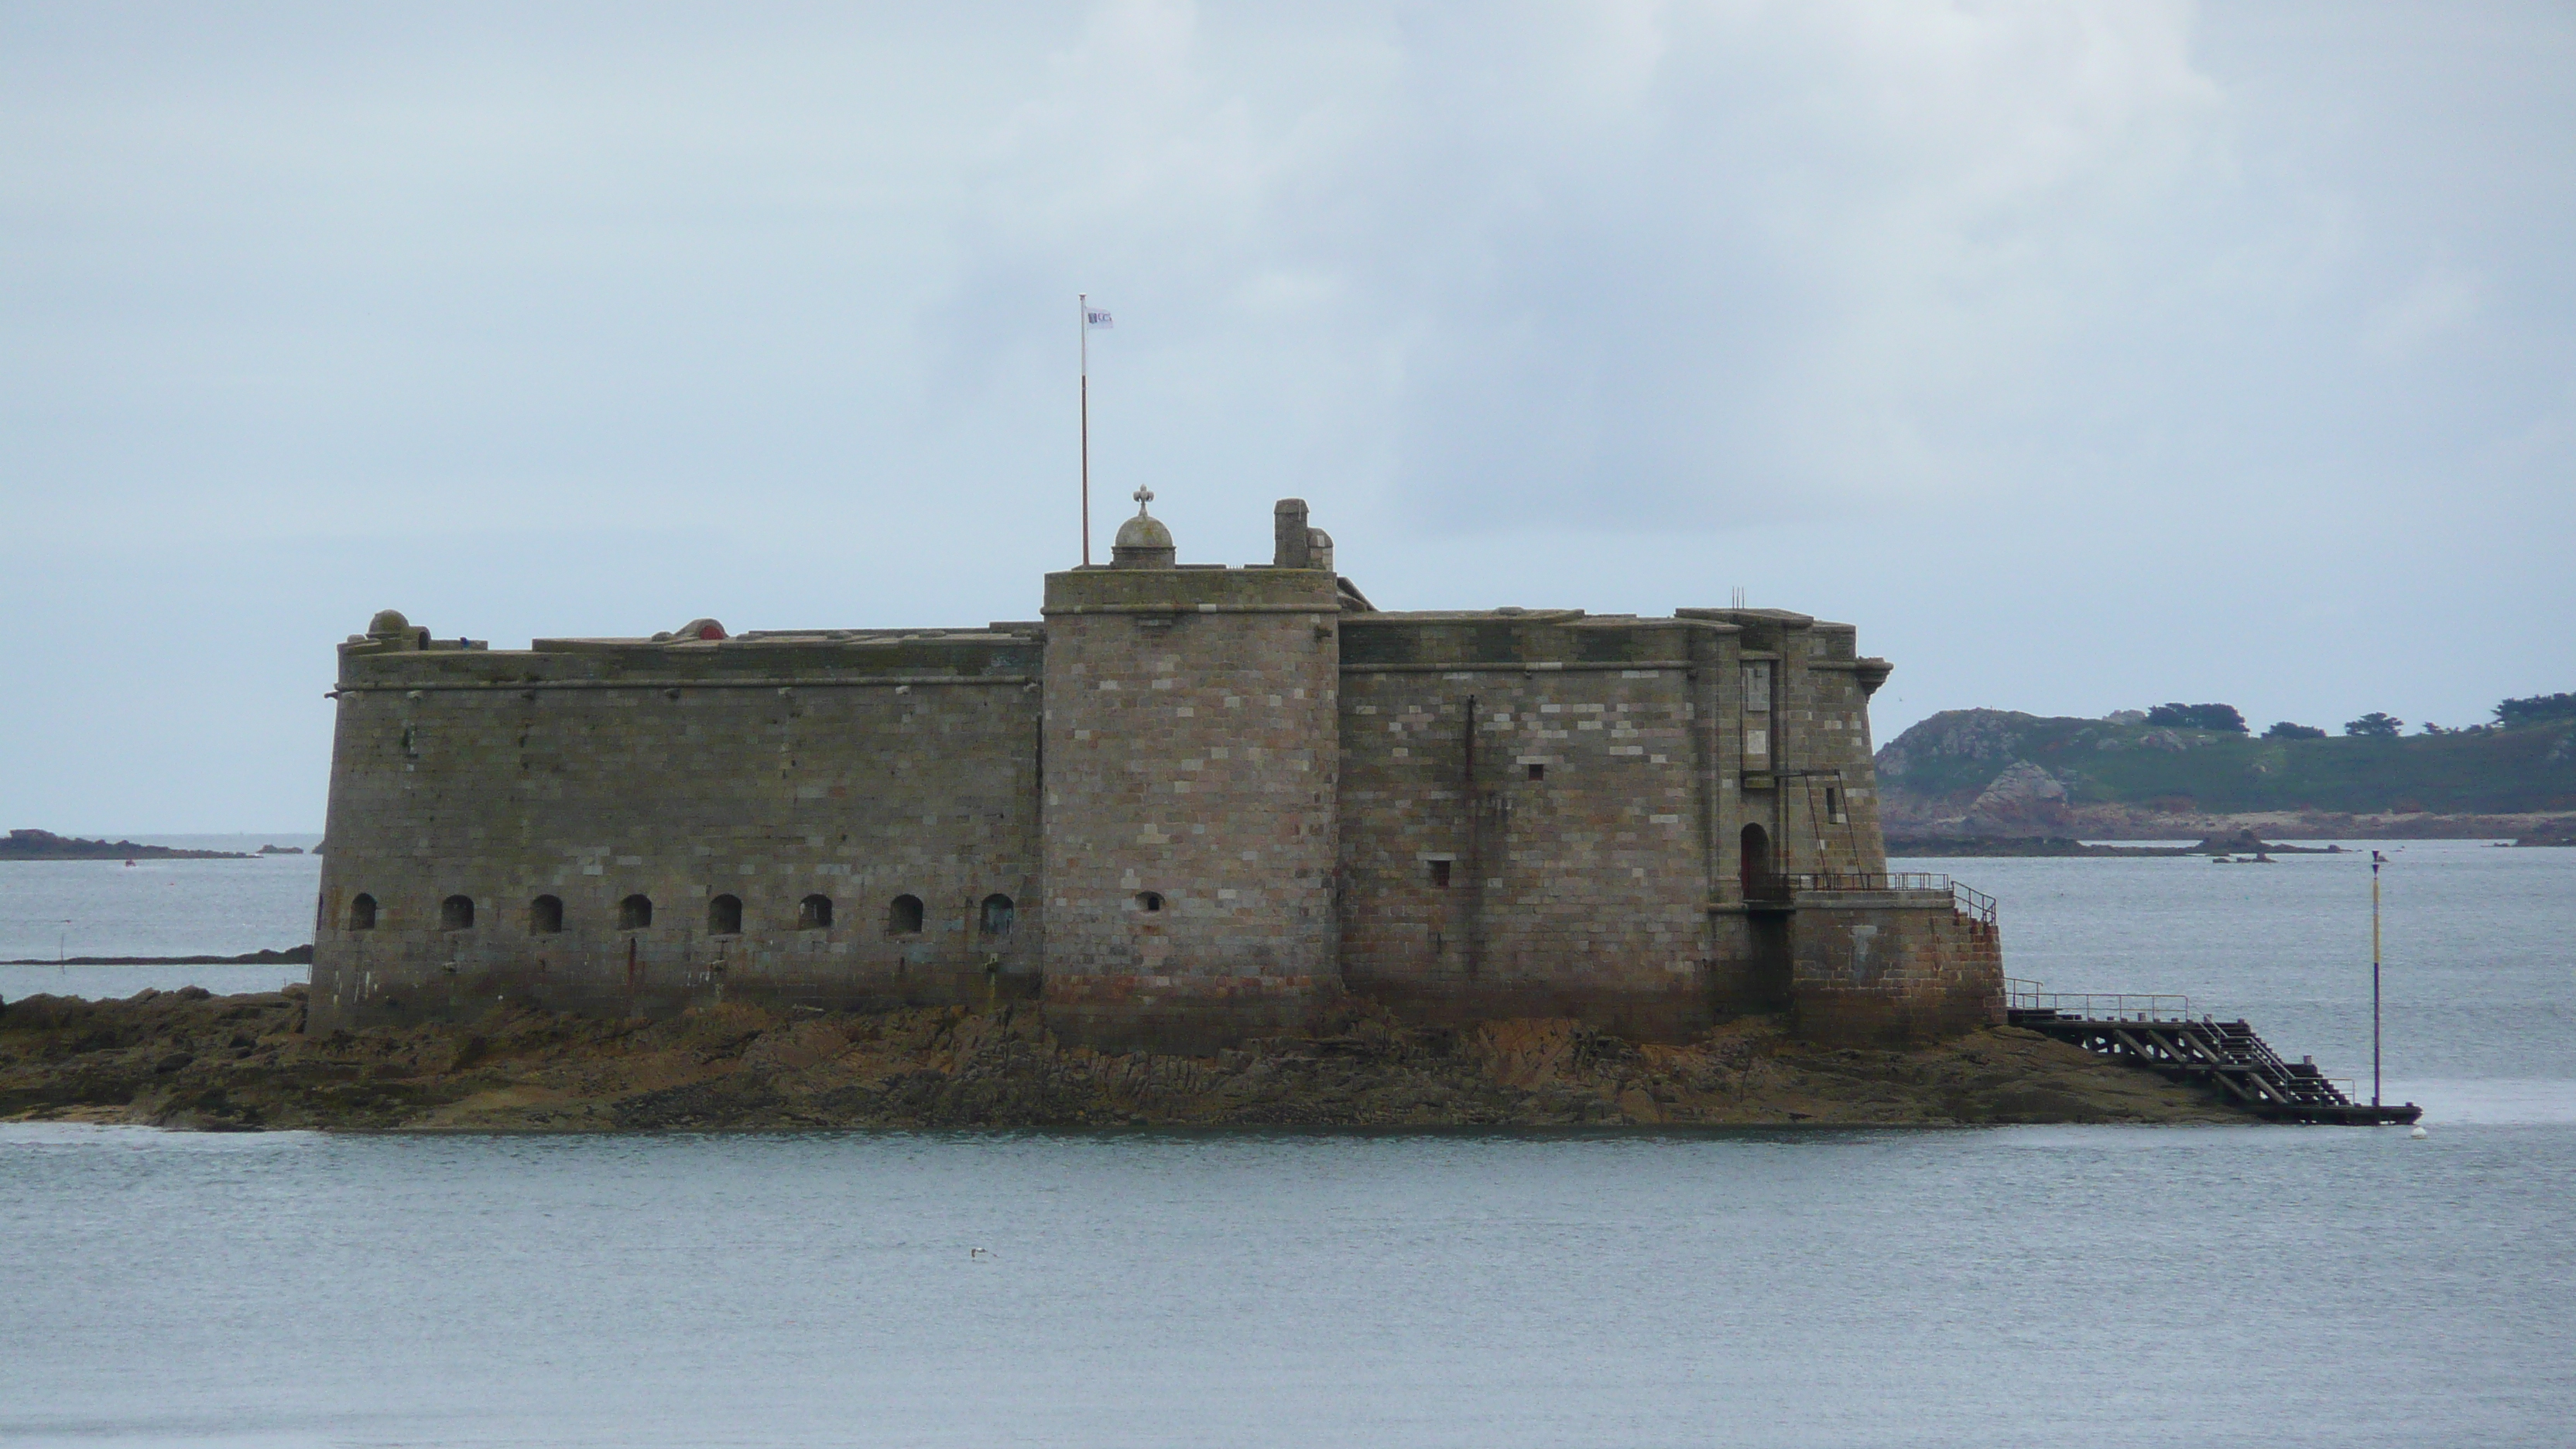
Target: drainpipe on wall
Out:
[1474,806]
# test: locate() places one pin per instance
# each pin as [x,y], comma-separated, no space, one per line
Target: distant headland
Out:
[46,845]
[1989,780]
[291,956]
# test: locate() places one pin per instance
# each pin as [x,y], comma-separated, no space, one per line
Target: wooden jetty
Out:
[2160,1034]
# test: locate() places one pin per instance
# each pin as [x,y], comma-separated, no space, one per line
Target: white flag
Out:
[1096,317]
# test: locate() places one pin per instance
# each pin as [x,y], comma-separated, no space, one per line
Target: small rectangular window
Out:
[1440,874]
[1833,803]
[1538,772]
[1757,686]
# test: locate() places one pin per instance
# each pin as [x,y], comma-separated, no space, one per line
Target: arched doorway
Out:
[1755,862]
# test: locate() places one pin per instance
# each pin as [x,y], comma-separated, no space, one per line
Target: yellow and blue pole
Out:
[2376,861]
[1082,325]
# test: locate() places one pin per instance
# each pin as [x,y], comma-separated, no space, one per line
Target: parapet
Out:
[1534,639]
[407,659]
[1770,630]
[1191,590]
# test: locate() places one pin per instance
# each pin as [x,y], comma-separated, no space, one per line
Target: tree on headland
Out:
[2284,730]
[2376,725]
[2198,717]
[2536,709]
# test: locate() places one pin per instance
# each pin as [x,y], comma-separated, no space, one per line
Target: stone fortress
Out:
[1192,804]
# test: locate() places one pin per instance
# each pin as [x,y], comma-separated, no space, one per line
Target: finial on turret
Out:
[390,631]
[1143,543]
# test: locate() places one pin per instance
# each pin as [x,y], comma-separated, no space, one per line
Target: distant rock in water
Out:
[1981,847]
[46,845]
[2245,842]
[279,850]
[1961,847]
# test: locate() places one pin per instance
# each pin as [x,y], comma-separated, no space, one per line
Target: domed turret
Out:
[1143,541]
[388,624]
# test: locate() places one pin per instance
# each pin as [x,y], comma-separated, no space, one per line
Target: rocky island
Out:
[46,845]
[191,1060]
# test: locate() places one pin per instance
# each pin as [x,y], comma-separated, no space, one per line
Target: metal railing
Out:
[2021,995]
[1965,899]
[1864,880]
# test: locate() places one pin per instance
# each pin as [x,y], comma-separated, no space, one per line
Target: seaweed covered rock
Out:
[186,1059]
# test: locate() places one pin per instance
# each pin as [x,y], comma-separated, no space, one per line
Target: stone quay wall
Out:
[1892,967]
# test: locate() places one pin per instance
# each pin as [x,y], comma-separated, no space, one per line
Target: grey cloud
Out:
[2083,355]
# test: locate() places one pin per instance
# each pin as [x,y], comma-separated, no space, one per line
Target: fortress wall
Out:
[768,770]
[1191,757]
[1825,722]
[1892,967]
[1209,797]
[1580,893]
[1816,738]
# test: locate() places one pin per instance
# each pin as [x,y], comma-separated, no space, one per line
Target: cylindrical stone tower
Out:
[1191,745]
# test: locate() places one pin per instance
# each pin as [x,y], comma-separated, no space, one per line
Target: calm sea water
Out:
[2302,1286]
[51,908]
[2478,985]
[2011,1287]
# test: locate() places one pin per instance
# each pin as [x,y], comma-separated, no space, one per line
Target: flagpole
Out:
[1082,324]
[2376,860]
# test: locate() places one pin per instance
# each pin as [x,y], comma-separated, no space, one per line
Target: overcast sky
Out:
[2085,356]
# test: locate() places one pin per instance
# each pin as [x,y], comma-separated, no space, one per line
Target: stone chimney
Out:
[1294,543]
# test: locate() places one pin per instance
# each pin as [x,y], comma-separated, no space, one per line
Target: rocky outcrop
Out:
[184,1059]
[2024,800]
[1959,734]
